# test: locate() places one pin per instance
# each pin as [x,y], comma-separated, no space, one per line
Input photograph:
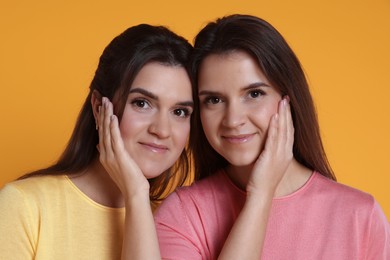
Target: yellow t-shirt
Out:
[48,217]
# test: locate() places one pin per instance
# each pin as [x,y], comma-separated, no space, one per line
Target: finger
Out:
[282,123]
[290,125]
[116,138]
[101,131]
[271,141]
[106,128]
[127,169]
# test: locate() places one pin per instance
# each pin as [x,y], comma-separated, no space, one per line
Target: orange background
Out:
[49,51]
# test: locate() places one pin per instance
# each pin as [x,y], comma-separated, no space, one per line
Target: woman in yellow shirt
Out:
[74,209]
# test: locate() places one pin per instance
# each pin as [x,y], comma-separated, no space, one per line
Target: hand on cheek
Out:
[114,157]
[277,154]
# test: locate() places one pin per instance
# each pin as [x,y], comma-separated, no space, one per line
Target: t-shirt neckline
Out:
[295,193]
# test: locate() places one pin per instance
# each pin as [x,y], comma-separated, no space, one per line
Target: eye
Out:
[140,103]
[182,112]
[255,93]
[212,100]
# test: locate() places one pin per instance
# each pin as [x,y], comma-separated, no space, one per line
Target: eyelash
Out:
[180,112]
[136,102]
[252,94]
[210,100]
[186,112]
[259,93]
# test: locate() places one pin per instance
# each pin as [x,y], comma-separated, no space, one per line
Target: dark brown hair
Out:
[281,67]
[119,64]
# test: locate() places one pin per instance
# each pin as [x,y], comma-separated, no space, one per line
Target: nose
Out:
[234,115]
[160,126]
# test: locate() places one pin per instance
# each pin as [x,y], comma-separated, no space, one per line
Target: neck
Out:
[97,184]
[295,177]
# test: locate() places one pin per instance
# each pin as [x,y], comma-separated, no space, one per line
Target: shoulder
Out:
[340,188]
[37,184]
[21,200]
[32,190]
[342,194]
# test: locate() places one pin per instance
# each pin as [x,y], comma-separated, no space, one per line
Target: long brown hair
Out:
[281,67]
[119,63]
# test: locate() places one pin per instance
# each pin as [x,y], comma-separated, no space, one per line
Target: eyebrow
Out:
[153,96]
[144,92]
[250,86]
[256,85]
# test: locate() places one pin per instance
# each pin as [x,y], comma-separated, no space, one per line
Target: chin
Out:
[153,172]
[240,161]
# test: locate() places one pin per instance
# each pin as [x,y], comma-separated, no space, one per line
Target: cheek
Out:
[131,123]
[181,133]
[261,116]
[209,122]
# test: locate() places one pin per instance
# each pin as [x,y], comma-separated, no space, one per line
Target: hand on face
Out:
[277,154]
[114,157]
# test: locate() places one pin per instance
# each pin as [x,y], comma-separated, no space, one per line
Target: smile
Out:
[156,148]
[238,139]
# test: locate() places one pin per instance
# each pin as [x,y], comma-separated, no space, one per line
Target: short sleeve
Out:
[176,234]
[379,236]
[16,236]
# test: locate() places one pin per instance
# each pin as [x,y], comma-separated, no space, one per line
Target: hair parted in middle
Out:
[282,68]
[118,66]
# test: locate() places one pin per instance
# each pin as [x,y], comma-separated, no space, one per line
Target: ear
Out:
[96,102]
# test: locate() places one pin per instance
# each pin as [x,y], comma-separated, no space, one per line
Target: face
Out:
[236,105]
[156,119]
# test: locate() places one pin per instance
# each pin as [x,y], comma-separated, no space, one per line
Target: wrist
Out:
[140,196]
[264,191]
[259,197]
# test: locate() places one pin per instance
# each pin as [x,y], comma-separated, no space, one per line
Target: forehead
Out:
[236,68]
[164,80]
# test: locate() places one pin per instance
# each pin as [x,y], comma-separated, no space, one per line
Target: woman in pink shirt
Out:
[265,188]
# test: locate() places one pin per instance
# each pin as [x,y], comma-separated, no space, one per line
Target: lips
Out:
[156,148]
[238,139]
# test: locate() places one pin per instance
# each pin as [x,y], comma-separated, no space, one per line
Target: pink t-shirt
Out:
[322,220]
